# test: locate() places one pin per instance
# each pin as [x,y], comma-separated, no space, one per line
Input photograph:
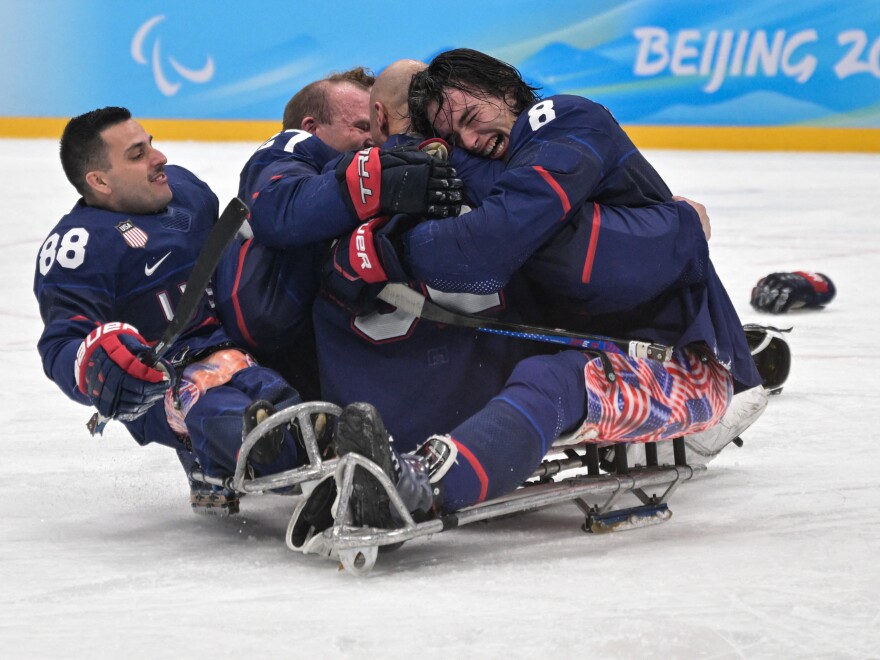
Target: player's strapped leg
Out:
[214,393]
[198,377]
[499,447]
[655,401]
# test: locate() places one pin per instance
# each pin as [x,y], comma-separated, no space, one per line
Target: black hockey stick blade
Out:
[413,302]
[224,230]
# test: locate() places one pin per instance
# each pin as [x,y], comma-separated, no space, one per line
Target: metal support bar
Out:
[678,451]
[578,489]
[651,454]
[592,459]
[621,466]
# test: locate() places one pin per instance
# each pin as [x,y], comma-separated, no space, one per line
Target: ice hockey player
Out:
[108,278]
[475,253]
[265,291]
[361,344]
[559,153]
[600,271]
[300,189]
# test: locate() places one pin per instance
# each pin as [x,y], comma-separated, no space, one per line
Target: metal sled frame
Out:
[594,493]
[243,483]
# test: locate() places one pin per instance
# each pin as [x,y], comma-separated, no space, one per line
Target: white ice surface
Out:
[775,553]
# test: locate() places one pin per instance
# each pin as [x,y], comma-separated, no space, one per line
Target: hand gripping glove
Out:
[402,180]
[779,292]
[436,148]
[108,370]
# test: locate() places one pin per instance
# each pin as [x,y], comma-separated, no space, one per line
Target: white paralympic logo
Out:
[165,86]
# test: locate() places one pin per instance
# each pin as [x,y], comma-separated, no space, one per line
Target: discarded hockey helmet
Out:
[771,354]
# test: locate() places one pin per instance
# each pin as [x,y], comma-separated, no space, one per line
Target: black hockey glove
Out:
[402,180]
[108,370]
[779,292]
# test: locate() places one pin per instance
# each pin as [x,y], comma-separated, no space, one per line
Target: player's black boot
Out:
[360,430]
[269,447]
[313,515]
[416,476]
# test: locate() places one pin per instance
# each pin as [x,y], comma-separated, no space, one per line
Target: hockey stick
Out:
[413,302]
[222,233]
[224,230]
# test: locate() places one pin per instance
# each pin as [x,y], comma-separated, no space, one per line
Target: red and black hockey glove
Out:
[361,263]
[109,371]
[402,180]
[779,292]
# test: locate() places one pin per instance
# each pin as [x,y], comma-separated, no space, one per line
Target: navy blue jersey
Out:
[557,208]
[98,266]
[611,259]
[266,289]
[640,274]
[423,377]
[564,151]
[293,201]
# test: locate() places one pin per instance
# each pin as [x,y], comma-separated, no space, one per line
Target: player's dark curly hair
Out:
[311,100]
[82,148]
[469,71]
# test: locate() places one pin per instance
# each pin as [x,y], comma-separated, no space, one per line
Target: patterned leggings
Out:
[655,401]
[547,396]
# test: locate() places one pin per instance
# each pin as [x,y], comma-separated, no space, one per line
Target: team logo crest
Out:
[134,236]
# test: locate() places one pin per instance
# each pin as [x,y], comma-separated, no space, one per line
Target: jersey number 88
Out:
[71,253]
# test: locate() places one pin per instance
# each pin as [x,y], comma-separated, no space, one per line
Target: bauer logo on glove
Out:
[780,292]
[108,370]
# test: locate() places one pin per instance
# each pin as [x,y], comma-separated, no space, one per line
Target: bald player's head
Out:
[389,107]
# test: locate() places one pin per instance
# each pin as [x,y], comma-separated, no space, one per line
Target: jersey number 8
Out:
[540,114]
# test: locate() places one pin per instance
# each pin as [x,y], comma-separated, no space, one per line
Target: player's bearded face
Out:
[136,181]
[479,124]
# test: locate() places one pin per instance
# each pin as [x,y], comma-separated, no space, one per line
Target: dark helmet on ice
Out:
[771,354]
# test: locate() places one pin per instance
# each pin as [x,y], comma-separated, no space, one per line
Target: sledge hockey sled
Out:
[599,489]
[597,495]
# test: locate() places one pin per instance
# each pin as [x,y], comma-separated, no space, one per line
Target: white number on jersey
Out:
[165,302]
[293,137]
[70,254]
[398,324]
[541,114]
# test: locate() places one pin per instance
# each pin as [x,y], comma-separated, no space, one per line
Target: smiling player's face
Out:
[349,125]
[135,181]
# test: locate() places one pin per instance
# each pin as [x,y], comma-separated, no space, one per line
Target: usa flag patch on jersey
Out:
[134,236]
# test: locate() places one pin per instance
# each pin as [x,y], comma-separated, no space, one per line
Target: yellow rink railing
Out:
[734,138]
